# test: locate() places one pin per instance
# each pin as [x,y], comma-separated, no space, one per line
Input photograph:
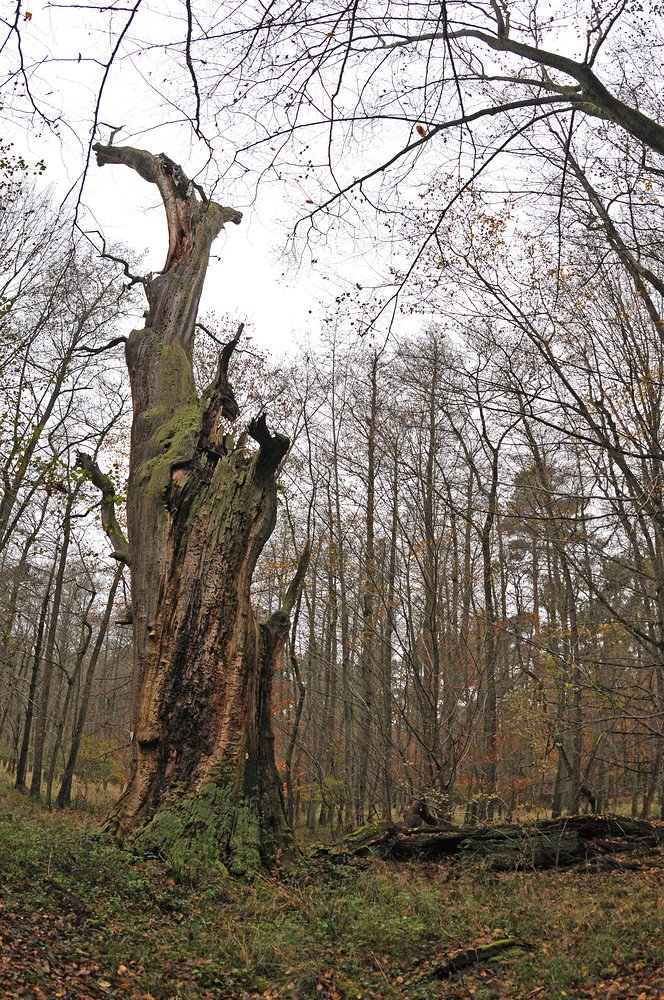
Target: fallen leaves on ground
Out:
[82,921]
[40,958]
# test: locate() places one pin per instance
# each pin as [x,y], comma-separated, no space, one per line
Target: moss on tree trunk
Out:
[204,789]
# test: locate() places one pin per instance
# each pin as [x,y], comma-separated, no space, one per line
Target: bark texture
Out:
[200,507]
[548,844]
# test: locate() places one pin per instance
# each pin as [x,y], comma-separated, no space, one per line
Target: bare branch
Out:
[296,584]
[108,497]
[639,274]
[104,347]
[595,97]
[279,621]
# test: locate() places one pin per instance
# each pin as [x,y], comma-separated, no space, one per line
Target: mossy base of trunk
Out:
[211,834]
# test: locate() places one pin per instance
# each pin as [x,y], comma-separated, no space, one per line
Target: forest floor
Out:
[82,920]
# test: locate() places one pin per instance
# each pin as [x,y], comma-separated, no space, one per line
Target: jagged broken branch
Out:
[178,194]
[221,402]
[273,447]
[108,496]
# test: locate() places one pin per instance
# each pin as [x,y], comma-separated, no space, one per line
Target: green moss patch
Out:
[196,836]
[81,919]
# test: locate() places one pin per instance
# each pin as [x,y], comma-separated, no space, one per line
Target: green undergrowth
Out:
[83,919]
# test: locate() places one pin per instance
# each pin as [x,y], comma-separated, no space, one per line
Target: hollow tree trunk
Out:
[200,507]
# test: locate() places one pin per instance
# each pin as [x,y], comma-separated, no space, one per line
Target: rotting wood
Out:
[468,957]
[547,844]
[204,790]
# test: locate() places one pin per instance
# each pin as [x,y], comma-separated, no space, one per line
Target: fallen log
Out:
[468,957]
[547,844]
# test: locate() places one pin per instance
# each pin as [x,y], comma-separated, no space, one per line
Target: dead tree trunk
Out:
[200,507]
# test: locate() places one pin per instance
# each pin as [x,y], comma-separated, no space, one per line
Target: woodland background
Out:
[476,459]
[482,622]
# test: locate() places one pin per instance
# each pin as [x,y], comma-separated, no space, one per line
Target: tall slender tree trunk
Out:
[575,695]
[490,650]
[329,717]
[301,692]
[22,766]
[49,655]
[64,795]
[201,505]
[72,681]
[385,702]
[344,621]
[366,721]
[8,658]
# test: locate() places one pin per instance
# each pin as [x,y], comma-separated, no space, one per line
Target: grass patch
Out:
[82,919]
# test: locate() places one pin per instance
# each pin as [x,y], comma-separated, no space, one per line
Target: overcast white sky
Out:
[249,277]
[245,279]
